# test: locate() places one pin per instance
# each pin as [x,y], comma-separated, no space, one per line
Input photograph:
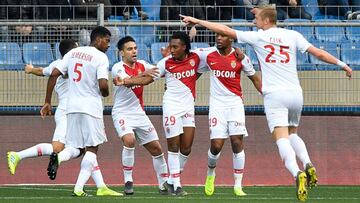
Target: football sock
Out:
[68,153]
[97,176]
[239,164]
[87,164]
[212,160]
[174,168]
[300,148]
[161,170]
[287,155]
[128,160]
[182,159]
[43,149]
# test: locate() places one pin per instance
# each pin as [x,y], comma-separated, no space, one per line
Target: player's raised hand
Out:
[45,110]
[28,68]
[118,81]
[153,72]
[188,20]
[239,54]
[348,71]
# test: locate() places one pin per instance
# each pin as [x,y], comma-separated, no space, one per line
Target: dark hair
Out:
[66,45]
[99,31]
[124,40]
[184,38]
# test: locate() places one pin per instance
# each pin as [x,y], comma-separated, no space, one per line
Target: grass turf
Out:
[149,194]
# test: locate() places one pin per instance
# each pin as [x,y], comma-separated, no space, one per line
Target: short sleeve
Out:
[146,64]
[119,70]
[48,70]
[103,68]
[203,53]
[62,66]
[161,66]
[248,67]
[249,37]
[301,43]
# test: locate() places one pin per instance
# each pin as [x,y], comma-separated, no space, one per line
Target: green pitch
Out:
[148,194]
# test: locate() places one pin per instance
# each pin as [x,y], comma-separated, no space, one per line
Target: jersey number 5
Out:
[78,72]
[272,52]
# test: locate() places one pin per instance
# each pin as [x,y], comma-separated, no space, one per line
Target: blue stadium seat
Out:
[143,34]
[116,33]
[143,53]
[39,53]
[350,53]
[156,51]
[152,8]
[10,53]
[308,32]
[112,54]
[195,45]
[242,28]
[353,33]
[57,52]
[330,47]
[331,34]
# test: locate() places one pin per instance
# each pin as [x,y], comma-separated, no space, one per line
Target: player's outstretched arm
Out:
[256,80]
[30,69]
[46,109]
[328,58]
[216,27]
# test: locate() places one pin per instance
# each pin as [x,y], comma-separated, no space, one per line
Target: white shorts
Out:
[60,129]
[283,108]
[224,123]
[174,123]
[84,130]
[141,126]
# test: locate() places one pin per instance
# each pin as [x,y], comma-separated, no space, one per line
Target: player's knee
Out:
[185,151]
[129,141]
[237,146]
[57,147]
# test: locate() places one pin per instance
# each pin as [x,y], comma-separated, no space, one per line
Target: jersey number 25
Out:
[282,51]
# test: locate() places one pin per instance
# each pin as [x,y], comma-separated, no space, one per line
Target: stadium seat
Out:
[156,55]
[242,28]
[10,53]
[116,34]
[330,47]
[143,53]
[353,33]
[331,34]
[152,8]
[350,53]
[308,32]
[142,34]
[37,53]
[196,45]
[112,54]
[57,53]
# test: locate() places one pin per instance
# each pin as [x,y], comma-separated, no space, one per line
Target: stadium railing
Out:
[326,90]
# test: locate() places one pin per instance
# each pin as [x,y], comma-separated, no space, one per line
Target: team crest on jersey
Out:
[167,129]
[123,128]
[233,64]
[192,62]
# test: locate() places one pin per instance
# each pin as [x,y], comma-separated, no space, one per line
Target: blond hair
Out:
[269,12]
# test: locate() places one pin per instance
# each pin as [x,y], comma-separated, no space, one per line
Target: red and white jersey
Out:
[276,51]
[225,87]
[61,87]
[85,66]
[129,100]
[180,78]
